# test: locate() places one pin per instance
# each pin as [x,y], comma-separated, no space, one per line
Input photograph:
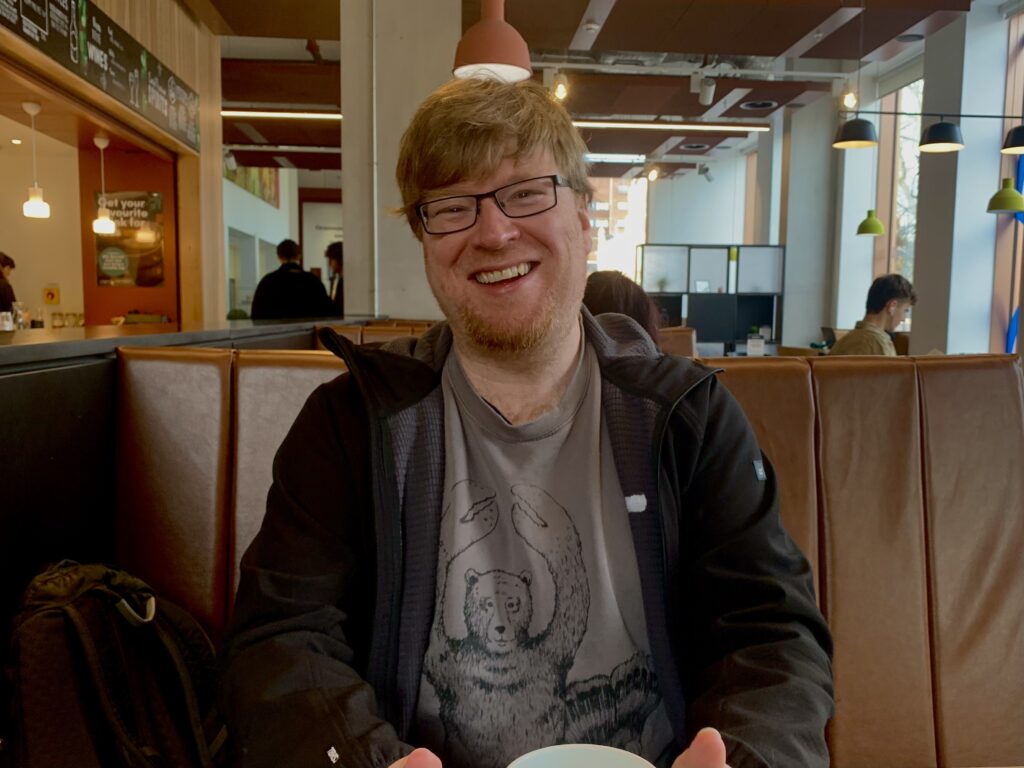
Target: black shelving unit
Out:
[709,298]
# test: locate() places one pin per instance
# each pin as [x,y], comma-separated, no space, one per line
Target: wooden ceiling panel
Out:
[309,133]
[632,142]
[881,26]
[308,19]
[309,161]
[610,170]
[281,82]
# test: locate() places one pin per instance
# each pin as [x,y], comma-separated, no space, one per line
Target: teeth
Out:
[504,274]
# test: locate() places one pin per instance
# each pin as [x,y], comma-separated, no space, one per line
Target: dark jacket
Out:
[337,591]
[291,292]
[6,295]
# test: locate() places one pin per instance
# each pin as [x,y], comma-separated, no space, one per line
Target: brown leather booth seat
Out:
[900,478]
[678,340]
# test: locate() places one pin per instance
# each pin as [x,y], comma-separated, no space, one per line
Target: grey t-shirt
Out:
[538,635]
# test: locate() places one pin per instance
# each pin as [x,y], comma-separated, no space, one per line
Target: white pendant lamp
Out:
[103,224]
[35,207]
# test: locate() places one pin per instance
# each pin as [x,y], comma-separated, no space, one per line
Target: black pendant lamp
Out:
[857,133]
[1014,144]
[942,136]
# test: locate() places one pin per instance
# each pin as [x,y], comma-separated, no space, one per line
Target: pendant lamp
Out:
[492,48]
[35,207]
[1014,144]
[871,226]
[857,133]
[103,224]
[1006,200]
[942,136]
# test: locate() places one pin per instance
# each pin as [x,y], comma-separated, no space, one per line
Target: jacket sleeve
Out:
[291,686]
[757,656]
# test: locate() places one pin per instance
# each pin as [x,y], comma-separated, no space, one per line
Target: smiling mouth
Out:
[498,276]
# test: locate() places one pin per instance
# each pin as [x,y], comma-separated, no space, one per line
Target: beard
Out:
[505,335]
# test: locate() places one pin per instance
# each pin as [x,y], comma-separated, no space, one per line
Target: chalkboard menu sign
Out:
[78,35]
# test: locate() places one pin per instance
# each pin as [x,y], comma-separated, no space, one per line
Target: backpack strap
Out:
[129,748]
[191,703]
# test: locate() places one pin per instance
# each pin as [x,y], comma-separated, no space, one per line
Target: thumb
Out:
[707,750]
[422,758]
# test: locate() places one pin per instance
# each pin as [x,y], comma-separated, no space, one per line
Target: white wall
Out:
[247,216]
[46,250]
[689,209]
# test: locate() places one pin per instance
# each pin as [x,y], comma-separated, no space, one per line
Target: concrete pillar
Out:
[964,72]
[810,222]
[393,54]
[769,182]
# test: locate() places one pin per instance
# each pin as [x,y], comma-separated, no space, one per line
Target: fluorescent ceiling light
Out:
[677,127]
[258,114]
[611,157]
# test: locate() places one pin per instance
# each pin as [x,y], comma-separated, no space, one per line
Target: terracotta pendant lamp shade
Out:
[1006,200]
[857,133]
[942,136]
[871,226]
[492,48]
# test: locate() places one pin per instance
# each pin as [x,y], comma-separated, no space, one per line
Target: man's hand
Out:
[707,750]
[421,758]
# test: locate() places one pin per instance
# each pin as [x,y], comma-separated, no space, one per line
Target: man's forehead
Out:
[510,169]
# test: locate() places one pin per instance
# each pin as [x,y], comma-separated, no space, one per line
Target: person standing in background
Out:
[6,290]
[889,299]
[290,291]
[335,254]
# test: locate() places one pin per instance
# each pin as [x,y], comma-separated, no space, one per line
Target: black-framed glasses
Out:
[517,201]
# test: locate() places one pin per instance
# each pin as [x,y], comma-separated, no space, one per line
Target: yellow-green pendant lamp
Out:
[1006,200]
[871,226]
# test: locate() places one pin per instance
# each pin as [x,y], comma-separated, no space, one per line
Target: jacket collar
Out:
[400,373]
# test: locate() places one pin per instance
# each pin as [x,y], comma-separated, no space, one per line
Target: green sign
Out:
[80,37]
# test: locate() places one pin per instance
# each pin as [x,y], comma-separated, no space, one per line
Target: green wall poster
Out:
[134,254]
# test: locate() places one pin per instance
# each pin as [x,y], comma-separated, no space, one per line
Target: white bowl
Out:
[579,756]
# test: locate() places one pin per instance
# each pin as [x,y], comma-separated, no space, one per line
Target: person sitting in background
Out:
[889,299]
[290,291]
[335,254]
[611,291]
[6,291]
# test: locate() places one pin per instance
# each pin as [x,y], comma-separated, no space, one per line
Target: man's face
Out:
[547,251]
[895,314]
[6,271]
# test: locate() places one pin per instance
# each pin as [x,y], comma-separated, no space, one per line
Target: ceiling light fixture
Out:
[707,91]
[561,87]
[103,224]
[16,142]
[35,207]
[759,105]
[257,114]
[614,157]
[857,133]
[871,226]
[1006,200]
[652,174]
[942,136]
[492,48]
[849,99]
[677,127]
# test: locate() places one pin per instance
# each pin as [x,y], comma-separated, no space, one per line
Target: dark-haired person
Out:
[290,291]
[527,527]
[6,289]
[611,291]
[889,299]
[335,255]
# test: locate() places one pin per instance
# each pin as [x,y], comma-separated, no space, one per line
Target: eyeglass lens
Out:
[524,198]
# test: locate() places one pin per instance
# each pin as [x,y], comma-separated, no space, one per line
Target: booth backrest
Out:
[678,340]
[900,478]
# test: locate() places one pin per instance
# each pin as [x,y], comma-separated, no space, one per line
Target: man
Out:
[335,254]
[6,290]
[290,291]
[889,299]
[527,527]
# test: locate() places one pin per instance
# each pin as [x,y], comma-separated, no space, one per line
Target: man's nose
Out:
[494,229]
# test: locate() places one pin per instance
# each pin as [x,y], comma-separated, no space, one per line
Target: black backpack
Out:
[106,674]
